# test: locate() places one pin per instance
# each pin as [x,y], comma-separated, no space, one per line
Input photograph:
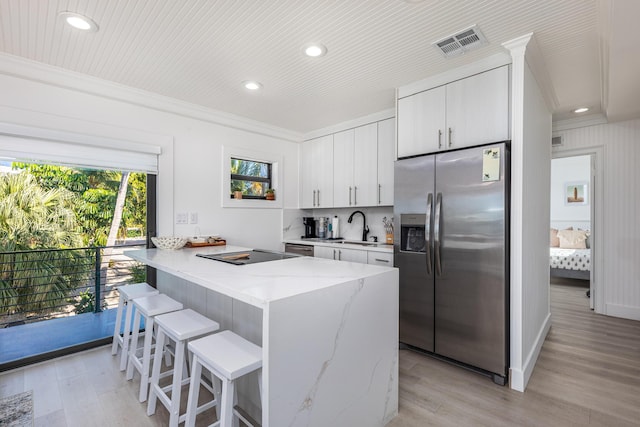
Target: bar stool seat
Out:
[228,357]
[127,293]
[178,326]
[147,308]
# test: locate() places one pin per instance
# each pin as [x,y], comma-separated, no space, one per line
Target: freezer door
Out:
[413,206]
[470,238]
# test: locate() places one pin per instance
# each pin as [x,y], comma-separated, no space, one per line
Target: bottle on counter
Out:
[322,228]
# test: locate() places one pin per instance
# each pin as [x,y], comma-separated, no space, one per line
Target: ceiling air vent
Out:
[461,42]
[556,141]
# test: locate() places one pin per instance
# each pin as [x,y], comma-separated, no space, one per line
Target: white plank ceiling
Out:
[200,51]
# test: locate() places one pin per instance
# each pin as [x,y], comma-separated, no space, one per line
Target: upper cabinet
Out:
[317,173]
[343,149]
[365,165]
[386,157]
[421,122]
[466,112]
[361,172]
[478,109]
[355,164]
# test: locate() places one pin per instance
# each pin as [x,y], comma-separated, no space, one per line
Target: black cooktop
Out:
[248,257]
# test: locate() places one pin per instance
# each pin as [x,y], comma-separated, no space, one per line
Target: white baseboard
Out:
[623,311]
[519,378]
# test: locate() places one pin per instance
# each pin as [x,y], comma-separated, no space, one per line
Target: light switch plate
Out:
[182,218]
[193,217]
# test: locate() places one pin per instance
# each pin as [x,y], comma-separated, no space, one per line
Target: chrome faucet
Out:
[365,229]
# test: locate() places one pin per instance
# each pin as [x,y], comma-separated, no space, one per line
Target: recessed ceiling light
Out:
[78,21]
[581,110]
[314,50]
[251,85]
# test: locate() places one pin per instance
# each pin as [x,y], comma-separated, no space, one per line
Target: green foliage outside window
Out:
[251,177]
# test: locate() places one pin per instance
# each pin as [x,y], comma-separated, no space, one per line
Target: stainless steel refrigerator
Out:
[451,213]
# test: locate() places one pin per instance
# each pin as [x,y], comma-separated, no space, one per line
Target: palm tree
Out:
[35,218]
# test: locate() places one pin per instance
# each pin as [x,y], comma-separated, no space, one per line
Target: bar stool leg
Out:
[155,375]
[146,360]
[116,333]
[133,348]
[176,387]
[194,392]
[226,406]
[125,337]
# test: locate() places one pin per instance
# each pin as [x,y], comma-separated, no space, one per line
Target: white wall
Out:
[189,167]
[620,242]
[569,170]
[530,180]
[535,237]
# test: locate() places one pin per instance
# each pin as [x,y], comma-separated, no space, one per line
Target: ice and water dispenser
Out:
[412,233]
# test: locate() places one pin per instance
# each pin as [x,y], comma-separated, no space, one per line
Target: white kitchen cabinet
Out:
[317,173]
[355,164]
[341,254]
[386,157]
[343,158]
[380,258]
[466,112]
[421,122]
[478,109]
[323,252]
[365,165]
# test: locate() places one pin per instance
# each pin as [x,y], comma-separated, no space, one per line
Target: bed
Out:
[570,253]
[570,263]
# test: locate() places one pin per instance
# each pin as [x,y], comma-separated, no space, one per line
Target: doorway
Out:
[576,204]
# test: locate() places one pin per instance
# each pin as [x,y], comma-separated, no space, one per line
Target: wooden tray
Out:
[200,245]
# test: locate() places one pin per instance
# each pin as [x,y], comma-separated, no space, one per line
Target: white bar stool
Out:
[179,326]
[147,308]
[127,293]
[227,356]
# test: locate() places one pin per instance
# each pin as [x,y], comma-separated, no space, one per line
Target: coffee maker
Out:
[309,227]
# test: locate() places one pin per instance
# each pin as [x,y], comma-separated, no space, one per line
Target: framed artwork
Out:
[576,193]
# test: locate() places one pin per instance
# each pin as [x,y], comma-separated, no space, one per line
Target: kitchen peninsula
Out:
[328,331]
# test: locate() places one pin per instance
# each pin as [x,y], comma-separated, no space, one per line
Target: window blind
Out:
[37,145]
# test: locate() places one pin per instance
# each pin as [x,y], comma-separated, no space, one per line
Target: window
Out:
[253,173]
[252,178]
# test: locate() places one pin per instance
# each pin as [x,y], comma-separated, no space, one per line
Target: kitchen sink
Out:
[350,242]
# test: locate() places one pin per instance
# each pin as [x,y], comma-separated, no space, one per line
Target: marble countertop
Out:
[377,247]
[255,284]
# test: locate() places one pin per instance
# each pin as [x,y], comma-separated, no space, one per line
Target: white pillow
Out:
[572,239]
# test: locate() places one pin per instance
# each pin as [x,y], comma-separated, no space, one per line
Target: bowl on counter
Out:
[169,242]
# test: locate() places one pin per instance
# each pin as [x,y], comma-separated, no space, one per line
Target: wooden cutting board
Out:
[236,256]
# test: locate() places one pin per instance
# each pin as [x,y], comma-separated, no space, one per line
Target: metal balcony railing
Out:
[43,284]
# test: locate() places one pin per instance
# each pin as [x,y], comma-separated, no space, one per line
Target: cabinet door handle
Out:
[349,196]
[339,255]
[450,141]
[379,191]
[439,138]
[355,196]
[318,197]
[381,260]
[314,197]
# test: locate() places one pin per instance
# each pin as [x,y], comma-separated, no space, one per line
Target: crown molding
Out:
[27,69]
[579,122]
[350,124]
[528,45]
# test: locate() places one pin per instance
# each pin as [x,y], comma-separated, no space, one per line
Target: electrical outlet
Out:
[182,218]
[193,217]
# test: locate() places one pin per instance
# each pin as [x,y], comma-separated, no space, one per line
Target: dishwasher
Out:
[294,248]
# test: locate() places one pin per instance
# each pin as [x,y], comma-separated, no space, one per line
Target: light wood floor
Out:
[588,373]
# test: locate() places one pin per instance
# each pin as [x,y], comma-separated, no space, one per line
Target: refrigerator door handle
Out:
[436,234]
[427,232]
